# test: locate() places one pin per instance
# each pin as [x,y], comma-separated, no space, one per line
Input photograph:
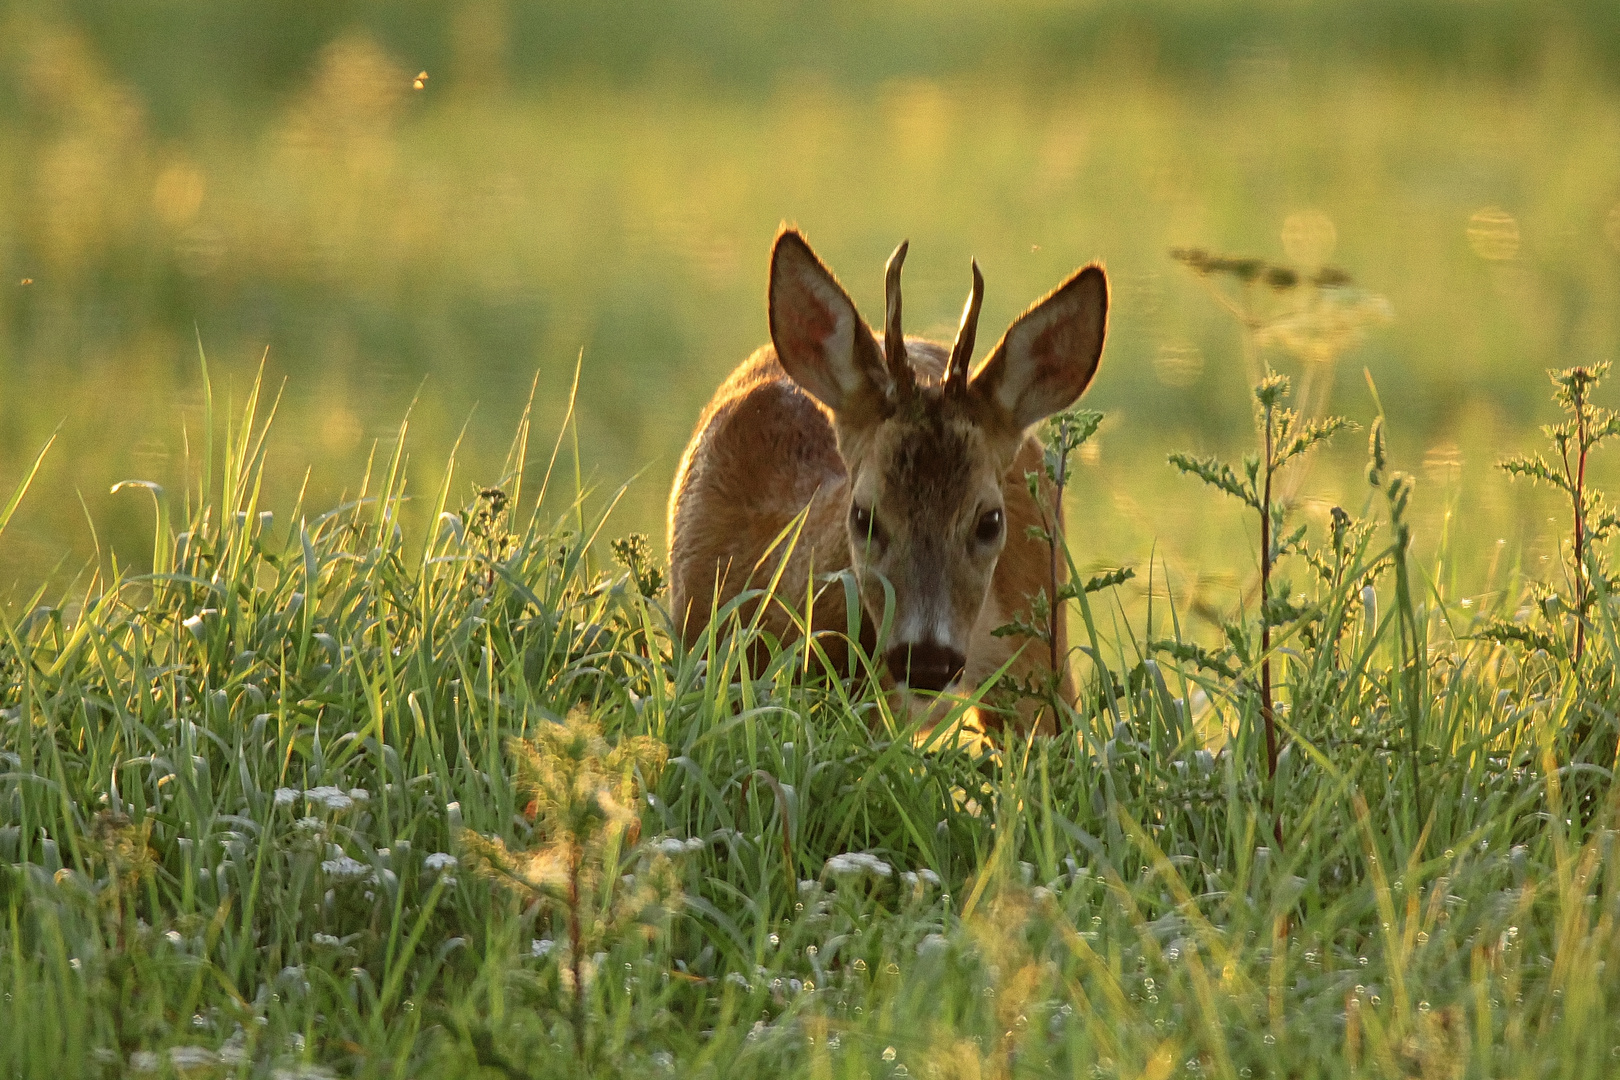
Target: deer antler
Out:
[894,342]
[956,372]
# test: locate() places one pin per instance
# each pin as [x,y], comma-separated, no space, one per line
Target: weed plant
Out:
[321,798]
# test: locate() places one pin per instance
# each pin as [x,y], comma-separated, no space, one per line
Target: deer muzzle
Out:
[925,665]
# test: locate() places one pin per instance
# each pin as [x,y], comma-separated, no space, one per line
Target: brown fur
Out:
[927,461]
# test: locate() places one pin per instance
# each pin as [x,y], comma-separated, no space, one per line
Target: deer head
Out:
[927,457]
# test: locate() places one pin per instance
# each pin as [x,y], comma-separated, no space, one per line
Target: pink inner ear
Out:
[803,322]
[1052,349]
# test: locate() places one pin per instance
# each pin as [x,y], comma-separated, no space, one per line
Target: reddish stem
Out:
[1580,525]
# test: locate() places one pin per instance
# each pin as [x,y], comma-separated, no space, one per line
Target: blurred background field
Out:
[602,181]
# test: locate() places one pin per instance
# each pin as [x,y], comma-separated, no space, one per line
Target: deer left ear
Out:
[1048,355]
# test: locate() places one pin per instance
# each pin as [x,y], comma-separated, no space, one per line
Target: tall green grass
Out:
[243,799]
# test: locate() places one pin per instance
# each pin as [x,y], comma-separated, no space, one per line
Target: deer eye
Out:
[989,528]
[862,526]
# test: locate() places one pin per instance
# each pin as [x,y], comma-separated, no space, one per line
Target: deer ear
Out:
[1048,355]
[821,340]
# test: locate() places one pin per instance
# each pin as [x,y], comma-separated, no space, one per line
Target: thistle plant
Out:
[1592,523]
[1284,437]
[581,795]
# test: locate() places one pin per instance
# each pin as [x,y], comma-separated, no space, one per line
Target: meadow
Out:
[323,799]
[347,735]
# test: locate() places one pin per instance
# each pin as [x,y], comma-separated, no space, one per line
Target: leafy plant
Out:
[582,797]
[1284,438]
[1593,524]
[1062,435]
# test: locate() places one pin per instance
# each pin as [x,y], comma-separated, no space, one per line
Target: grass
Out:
[263,815]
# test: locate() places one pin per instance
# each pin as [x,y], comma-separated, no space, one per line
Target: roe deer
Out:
[904,467]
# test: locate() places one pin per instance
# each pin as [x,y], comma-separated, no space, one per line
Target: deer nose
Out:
[925,665]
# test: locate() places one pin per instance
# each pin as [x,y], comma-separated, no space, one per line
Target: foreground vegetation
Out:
[316,799]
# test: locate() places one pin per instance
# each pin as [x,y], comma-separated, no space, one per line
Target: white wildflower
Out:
[344,868]
[286,796]
[327,939]
[541,947]
[192,1057]
[359,794]
[858,864]
[332,798]
[440,860]
[143,1061]
[303,1072]
[920,879]
[235,1052]
[670,846]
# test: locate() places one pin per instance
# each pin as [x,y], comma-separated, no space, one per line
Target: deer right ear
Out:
[821,340]
[1049,354]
